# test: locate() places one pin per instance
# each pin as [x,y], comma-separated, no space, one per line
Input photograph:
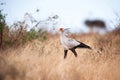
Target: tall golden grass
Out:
[44,61]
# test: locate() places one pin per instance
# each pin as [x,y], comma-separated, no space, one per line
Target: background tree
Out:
[2,24]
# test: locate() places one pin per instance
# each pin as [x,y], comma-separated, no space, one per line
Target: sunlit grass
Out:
[44,60]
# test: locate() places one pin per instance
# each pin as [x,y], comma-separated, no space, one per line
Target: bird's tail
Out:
[82,45]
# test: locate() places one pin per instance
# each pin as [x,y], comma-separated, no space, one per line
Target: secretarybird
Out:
[69,43]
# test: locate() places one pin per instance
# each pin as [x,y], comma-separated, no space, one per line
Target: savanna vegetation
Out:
[35,55]
[37,60]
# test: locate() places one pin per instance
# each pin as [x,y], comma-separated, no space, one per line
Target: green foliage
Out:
[42,35]
[2,20]
[29,36]
[33,34]
[17,35]
[2,25]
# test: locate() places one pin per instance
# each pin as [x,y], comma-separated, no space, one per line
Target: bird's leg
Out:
[65,53]
[75,53]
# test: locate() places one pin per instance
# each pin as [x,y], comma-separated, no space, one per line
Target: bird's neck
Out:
[62,36]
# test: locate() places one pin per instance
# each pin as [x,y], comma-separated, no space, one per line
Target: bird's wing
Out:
[72,43]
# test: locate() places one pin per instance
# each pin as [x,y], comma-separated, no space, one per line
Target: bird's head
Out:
[61,29]
[65,31]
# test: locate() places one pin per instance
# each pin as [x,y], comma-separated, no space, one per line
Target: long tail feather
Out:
[82,45]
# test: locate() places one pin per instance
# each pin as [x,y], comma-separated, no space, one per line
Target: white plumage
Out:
[69,43]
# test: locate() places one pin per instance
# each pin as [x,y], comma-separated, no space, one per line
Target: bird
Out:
[69,43]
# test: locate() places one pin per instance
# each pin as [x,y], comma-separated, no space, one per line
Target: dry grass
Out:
[44,61]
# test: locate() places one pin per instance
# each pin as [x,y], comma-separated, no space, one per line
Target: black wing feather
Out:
[82,45]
